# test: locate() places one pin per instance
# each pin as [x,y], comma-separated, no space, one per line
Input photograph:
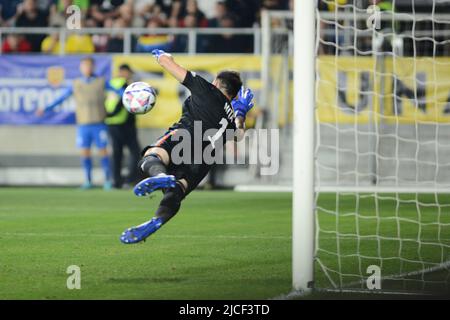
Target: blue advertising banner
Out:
[31,82]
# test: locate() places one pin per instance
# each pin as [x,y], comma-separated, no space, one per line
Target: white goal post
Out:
[303,148]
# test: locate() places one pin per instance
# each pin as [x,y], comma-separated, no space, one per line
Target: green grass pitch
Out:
[221,245]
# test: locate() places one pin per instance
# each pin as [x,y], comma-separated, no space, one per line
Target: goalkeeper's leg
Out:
[171,202]
[168,208]
[154,164]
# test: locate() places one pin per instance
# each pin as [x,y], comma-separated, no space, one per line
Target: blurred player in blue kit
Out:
[89,95]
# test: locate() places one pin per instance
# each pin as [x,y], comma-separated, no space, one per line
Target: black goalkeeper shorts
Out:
[191,172]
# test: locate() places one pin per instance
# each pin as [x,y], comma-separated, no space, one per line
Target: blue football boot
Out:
[147,186]
[141,232]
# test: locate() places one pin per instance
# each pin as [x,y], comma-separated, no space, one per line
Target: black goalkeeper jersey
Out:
[206,107]
[206,104]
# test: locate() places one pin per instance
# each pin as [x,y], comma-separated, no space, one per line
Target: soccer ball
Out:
[139,98]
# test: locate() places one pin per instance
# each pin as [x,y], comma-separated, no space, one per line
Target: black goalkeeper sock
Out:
[152,165]
[170,203]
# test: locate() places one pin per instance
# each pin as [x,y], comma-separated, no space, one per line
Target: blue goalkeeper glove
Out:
[157,53]
[243,102]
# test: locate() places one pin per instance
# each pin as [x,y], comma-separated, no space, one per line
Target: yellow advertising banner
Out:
[171,93]
[418,90]
[400,90]
[338,95]
[349,89]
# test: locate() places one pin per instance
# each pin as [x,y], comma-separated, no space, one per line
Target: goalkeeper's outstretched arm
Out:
[167,62]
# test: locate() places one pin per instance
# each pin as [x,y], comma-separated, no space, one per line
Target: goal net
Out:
[381,142]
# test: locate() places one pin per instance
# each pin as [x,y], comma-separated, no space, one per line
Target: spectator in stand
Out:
[175,14]
[82,4]
[75,43]
[220,12]
[147,9]
[15,44]
[276,4]
[142,11]
[181,42]
[188,15]
[159,13]
[28,15]
[101,10]
[124,20]
[142,5]
[192,8]
[58,12]
[244,10]
[330,42]
[115,42]
[165,7]
[8,10]
[101,40]
[227,43]
[208,7]
[335,5]
[117,14]
[147,43]
[126,13]
[44,5]
[50,44]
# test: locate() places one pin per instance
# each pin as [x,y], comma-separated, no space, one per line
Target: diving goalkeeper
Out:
[220,105]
